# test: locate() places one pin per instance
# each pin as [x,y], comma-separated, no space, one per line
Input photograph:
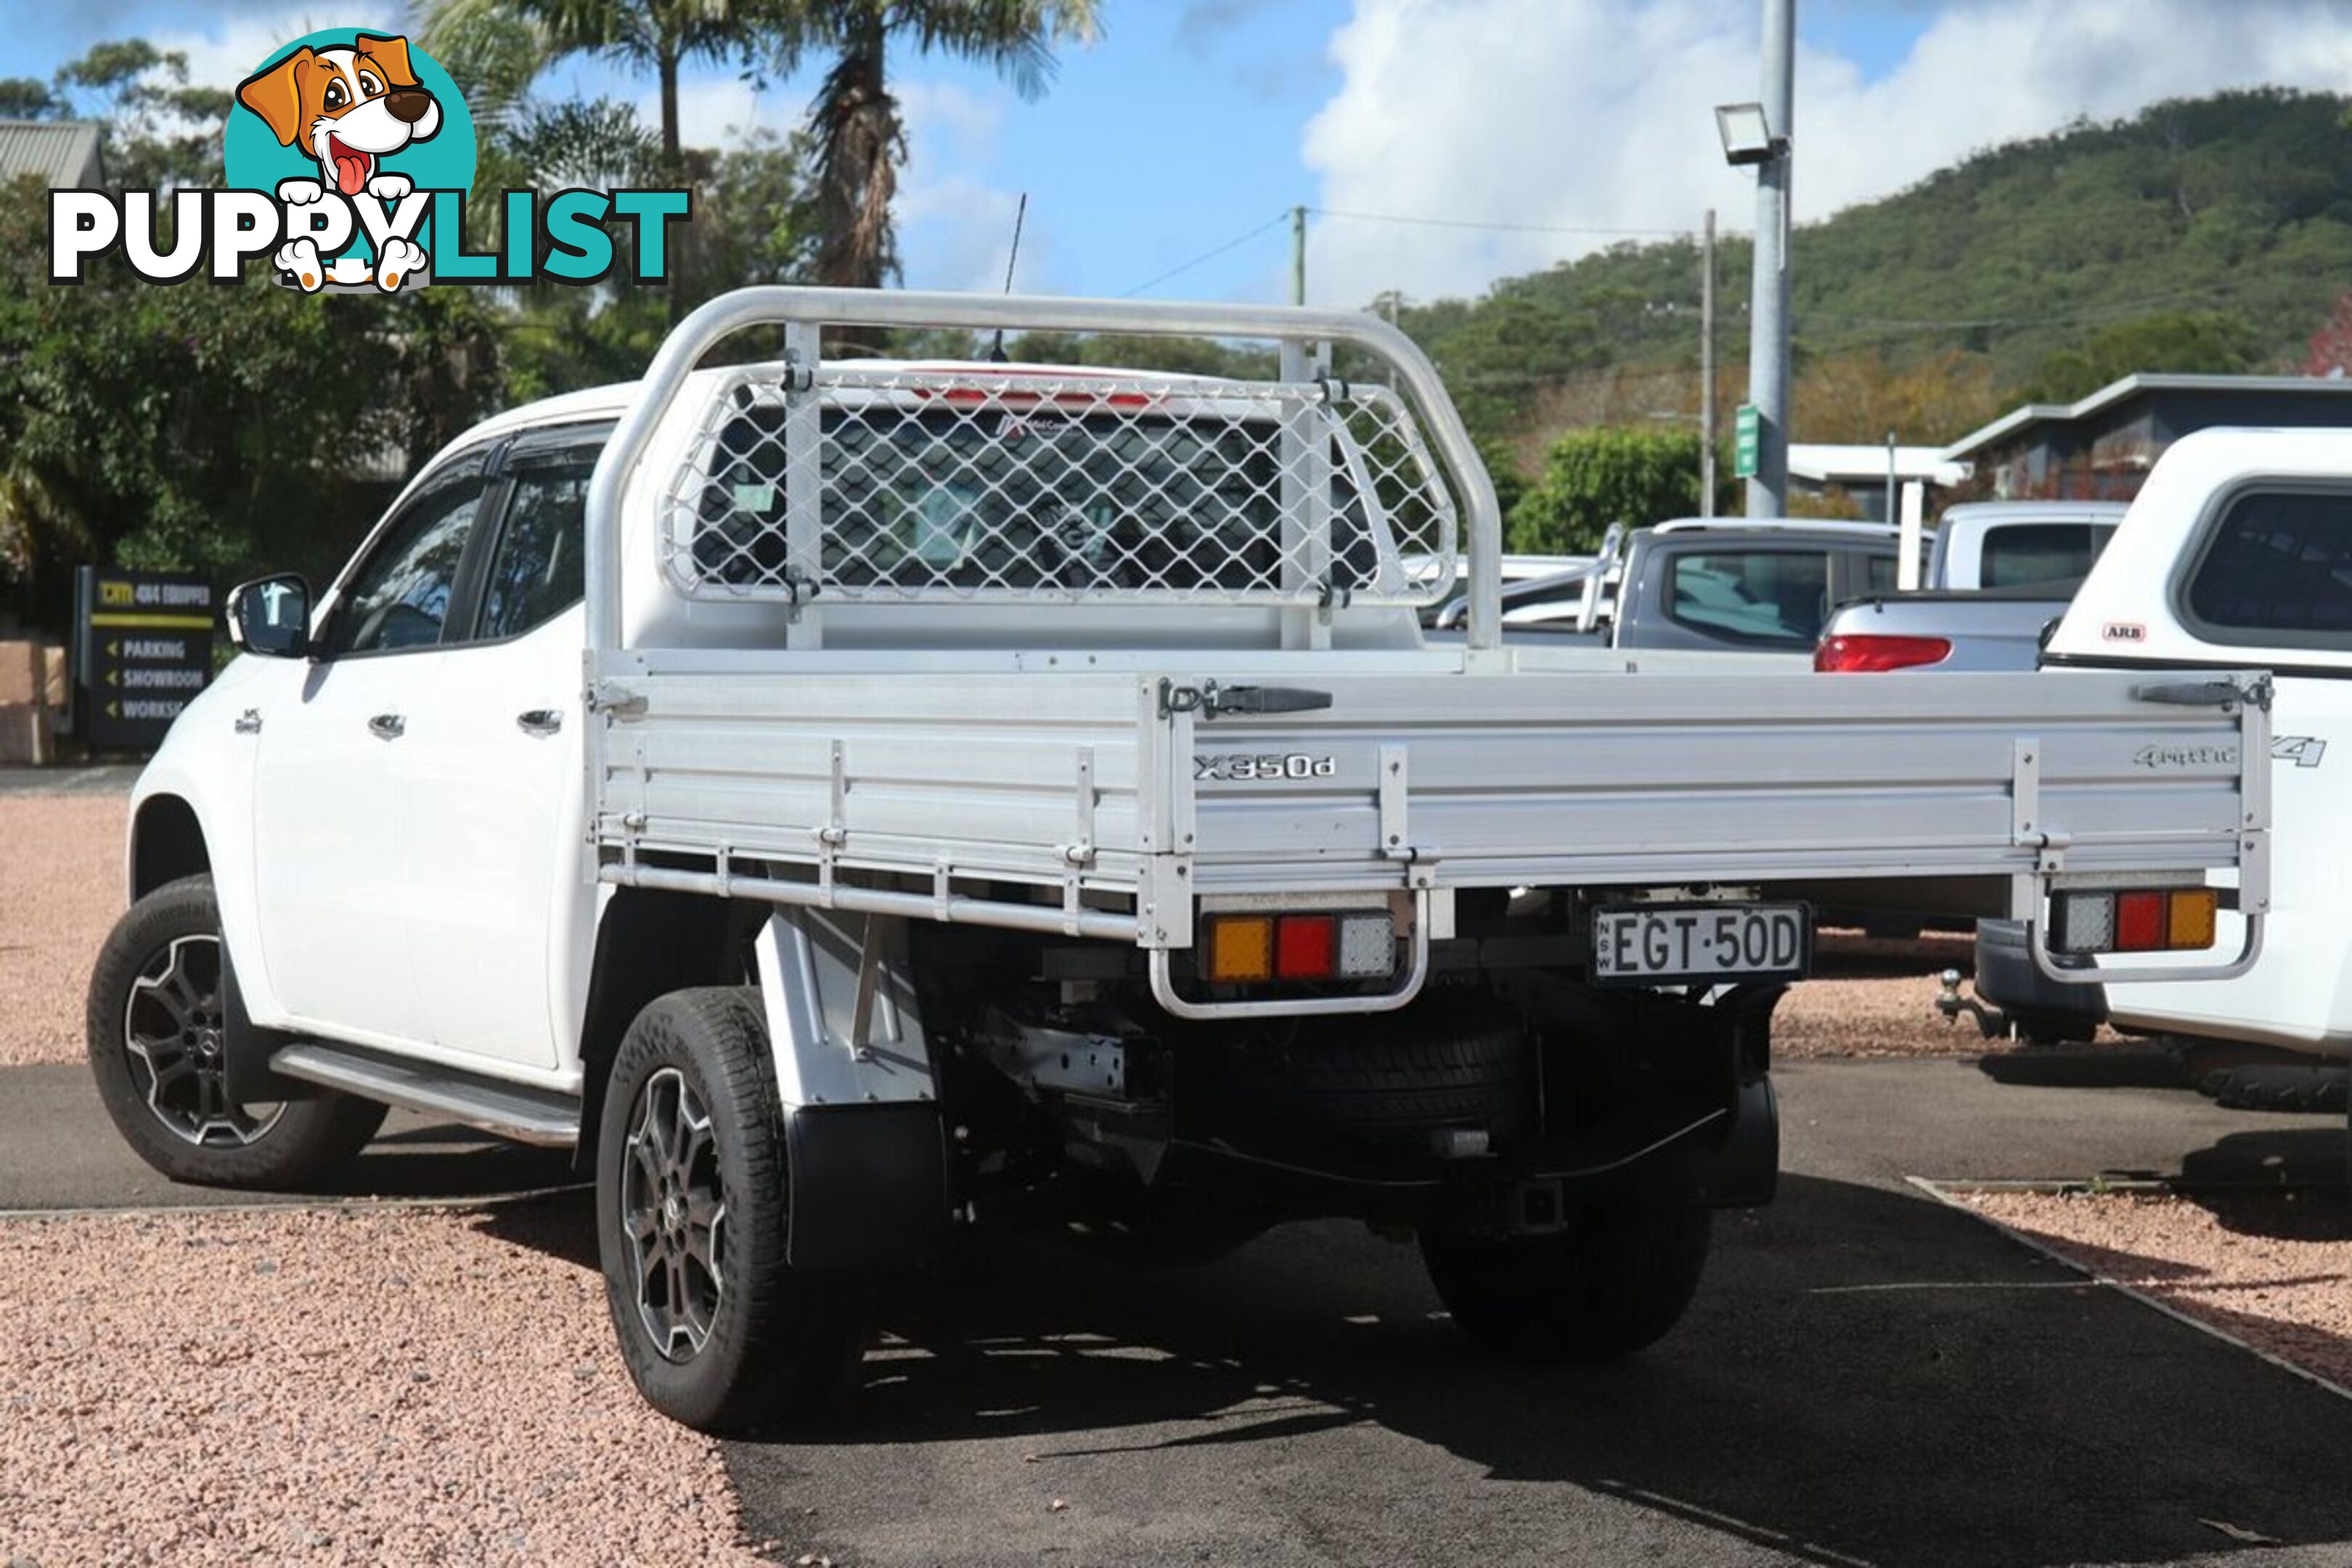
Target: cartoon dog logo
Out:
[348,109]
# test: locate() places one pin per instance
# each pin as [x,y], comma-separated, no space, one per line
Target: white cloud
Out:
[955,226]
[1596,113]
[227,54]
[721,111]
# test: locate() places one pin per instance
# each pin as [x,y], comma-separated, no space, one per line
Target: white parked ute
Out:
[848,800]
[2237,556]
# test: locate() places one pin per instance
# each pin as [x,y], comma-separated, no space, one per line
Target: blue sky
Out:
[1193,123]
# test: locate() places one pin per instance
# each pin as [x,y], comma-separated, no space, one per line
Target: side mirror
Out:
[270,616]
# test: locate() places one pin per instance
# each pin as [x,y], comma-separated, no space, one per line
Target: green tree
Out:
[1503,467]
[1592,478]
[747,229]
[661,35]
[198,428]
[155,131]
[28,97]
[858,136]
[2181,342]
[191,427]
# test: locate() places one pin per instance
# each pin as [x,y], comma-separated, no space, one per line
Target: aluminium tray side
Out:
[1567,779]
[1077,781]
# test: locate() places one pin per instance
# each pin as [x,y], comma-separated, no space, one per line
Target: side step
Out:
[509,1109]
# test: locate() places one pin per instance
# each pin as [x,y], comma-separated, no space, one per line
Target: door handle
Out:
[540,721]
[388,726]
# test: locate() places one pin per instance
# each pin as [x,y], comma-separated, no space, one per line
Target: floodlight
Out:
[1746,134]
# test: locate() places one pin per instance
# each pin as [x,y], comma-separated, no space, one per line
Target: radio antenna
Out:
[1020,215]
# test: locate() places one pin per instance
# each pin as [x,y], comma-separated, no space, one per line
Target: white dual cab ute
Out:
[849,799]
[2235,557]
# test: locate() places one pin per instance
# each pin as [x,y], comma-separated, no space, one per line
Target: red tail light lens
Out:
[1861,653]
[2139,922]
[1305,947]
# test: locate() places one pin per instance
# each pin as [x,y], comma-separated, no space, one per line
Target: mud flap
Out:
[868,1187]
[1744,1170]
[246,1047]
[868,1171]
[1741,1169]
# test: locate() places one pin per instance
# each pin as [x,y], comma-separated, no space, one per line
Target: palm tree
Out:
[662,34]
[854,125]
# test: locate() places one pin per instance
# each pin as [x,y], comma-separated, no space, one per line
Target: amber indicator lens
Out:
[1241,949]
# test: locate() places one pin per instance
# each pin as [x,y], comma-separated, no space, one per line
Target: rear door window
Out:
[536,572]
[2276,568]
[2020,552]
[1776,597]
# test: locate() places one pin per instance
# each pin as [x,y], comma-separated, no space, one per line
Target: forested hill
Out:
[2207,235]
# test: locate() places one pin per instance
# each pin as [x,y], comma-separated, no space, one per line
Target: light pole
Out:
[1707,371]
[1758,134]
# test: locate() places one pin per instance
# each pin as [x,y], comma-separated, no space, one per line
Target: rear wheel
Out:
[157,1028]
[718,1330]
[1618,1276]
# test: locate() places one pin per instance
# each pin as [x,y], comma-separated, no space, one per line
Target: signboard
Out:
[1744,441]
[143,648]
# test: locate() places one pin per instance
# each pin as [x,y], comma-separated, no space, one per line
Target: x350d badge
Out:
[1262,765]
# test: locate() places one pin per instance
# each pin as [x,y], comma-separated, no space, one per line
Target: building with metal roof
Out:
[2101,446]
[60,154]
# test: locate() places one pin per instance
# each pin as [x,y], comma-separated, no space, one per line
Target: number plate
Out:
[1652,944]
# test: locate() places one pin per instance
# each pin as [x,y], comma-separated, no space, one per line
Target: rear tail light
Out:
[2134,920]
[1859,652]
[1243,949]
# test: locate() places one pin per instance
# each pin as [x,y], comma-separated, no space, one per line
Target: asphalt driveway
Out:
[1868,1376]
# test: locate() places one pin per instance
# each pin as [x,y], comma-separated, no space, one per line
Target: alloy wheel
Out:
[673,1214]
[175,1031]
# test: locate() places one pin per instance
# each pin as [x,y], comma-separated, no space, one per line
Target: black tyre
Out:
[1390,1079]
[2306,1088]
[716,1329]
[156,1027]
[1615,1280]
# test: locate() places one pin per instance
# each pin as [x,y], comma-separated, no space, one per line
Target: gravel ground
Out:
[333,1386]
[60,889]
[2271,1270]
[1873,998]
